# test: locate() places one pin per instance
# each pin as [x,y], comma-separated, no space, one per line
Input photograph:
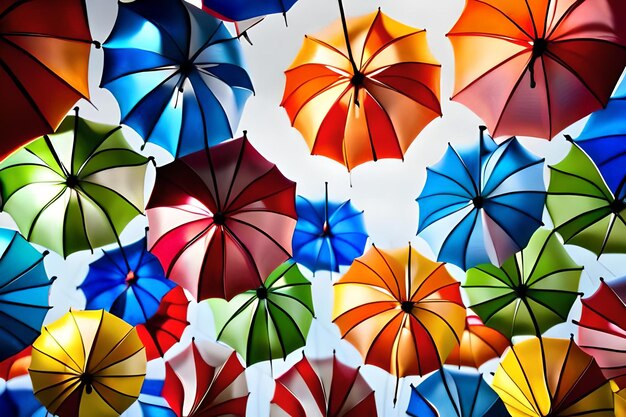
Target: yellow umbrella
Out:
[88,363]
[620,400]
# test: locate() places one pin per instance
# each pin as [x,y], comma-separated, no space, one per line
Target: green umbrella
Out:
[532,291]
[584,211]
[75,189]
[269,322]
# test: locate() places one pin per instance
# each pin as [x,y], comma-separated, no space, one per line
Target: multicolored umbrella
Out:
[532,291]
[363,93]
[88,363]
[221,220]
[482,204]
[328,234]
[238,10]
[269,322]
[75,189]
[545,64]
[177,74]
[552,377]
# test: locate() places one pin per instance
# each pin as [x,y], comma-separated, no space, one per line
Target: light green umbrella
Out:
[584,211]
[532,291]
[269,322]
[75,189]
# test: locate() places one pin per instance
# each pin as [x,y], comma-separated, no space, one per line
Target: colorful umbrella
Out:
[552,377]
[543,64]
[238,10]
[44,45]
[328,234]
[583,209]
[269,322]
[221,220]
[151,402]
[127,281]
[88,363]
[532,291]
[24,288]
[365,93]
[206,379]
[448,392]
[76,189]
[481,204]
[322,388]
[177,73]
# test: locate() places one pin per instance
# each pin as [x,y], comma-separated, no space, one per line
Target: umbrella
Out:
[365,93]
[177,74]
[532,291]
[552,377]
[620,402]
[45,46]
[583,209]
[88,363]
[76,189]
[24,288]
[151,402]
[206,379]
[239,10]
[269,322]
[481,204]
[127,281]
[602,328]
[543,64]
[448,392]
[16,365]
[221,220]
[328,234]
[322,388]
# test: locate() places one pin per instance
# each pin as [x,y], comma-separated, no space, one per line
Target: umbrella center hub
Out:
[261,293]
[187,68]
[357,79]
[407,306]
[540,46]
[326,229]
[478,201]
[71,181]
[219,218]
[131,278]
[521,290]
[617,206]
[87,380]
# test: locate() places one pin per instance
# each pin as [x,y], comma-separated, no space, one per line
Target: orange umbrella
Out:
[535,67]
[363,93]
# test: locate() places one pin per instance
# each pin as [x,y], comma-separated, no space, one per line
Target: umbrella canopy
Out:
[269,322]
[221,220]
[24,288]
[583,209]
[127,281]
[363,93]
[449,393]
[552,377]
[16,365]
[620,403]
[206,379]
[75,189]
[88,363]
[543,64]
[322,388]
[177,74]
[238,10]
[328,234]
[532,291]
[44,45]
[482,204]
[151,402]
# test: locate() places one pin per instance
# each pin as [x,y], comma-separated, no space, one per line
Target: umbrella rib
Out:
[557,271]
[258,229]
[605,349]
[160,28]
[386,45]
[607,235]
[45,207]
[430,274]
[21,273]
[579,216]
[467,239]
[143,99]
[559,380]
[522,212]
[111,261]
[427,222]
[340,79]
[78,369]
[547,306]
[235,173]
[470,193]
[507,17]
[71,387]
[564,16]
[96,369]
[56,359]
[367,304]
[370,29]
[491,300]
[566,66]
[298,300]
[448,325]
[388,118]
[236,209]
[16,4]
[382,330]
[517,170]
[531,411]
[105,400]
[571,174]
[302,336]
[538,256]
[240,310]
[396,280]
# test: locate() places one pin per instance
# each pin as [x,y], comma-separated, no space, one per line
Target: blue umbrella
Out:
[177,73]
[450,393]
[151,402]
[128,282]
[328,234]
[24,289]
[482,204]
[238,10]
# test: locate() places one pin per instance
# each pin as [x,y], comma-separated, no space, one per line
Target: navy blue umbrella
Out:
[238,10]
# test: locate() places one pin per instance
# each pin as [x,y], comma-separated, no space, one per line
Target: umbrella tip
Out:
[492,373]
[571,336]
[97,44]
[482,128]
[601,279]
[45,253]
[54,278]
[151,159]
[568,138]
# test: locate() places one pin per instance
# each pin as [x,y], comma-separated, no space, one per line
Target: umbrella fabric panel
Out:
[238,10]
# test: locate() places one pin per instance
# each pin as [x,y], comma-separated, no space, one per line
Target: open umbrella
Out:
[206,379]
[44,45]
[328,234]
[76,189]
[269,322]
[322,388]
[238,10]
[221,220]
[482,204]
[532,291]
[87,363]
[583,209]
[542,65]
[363,93]
[24,288]
[552,377]
[177,74]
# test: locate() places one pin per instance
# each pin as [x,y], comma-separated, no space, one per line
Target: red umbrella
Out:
[221,220]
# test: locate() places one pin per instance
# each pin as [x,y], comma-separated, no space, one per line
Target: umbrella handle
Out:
[355,69]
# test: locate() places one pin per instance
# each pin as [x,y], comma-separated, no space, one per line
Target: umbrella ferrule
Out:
[71,181]
[478,202]
[617,206]
[407,306]
[261,293]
